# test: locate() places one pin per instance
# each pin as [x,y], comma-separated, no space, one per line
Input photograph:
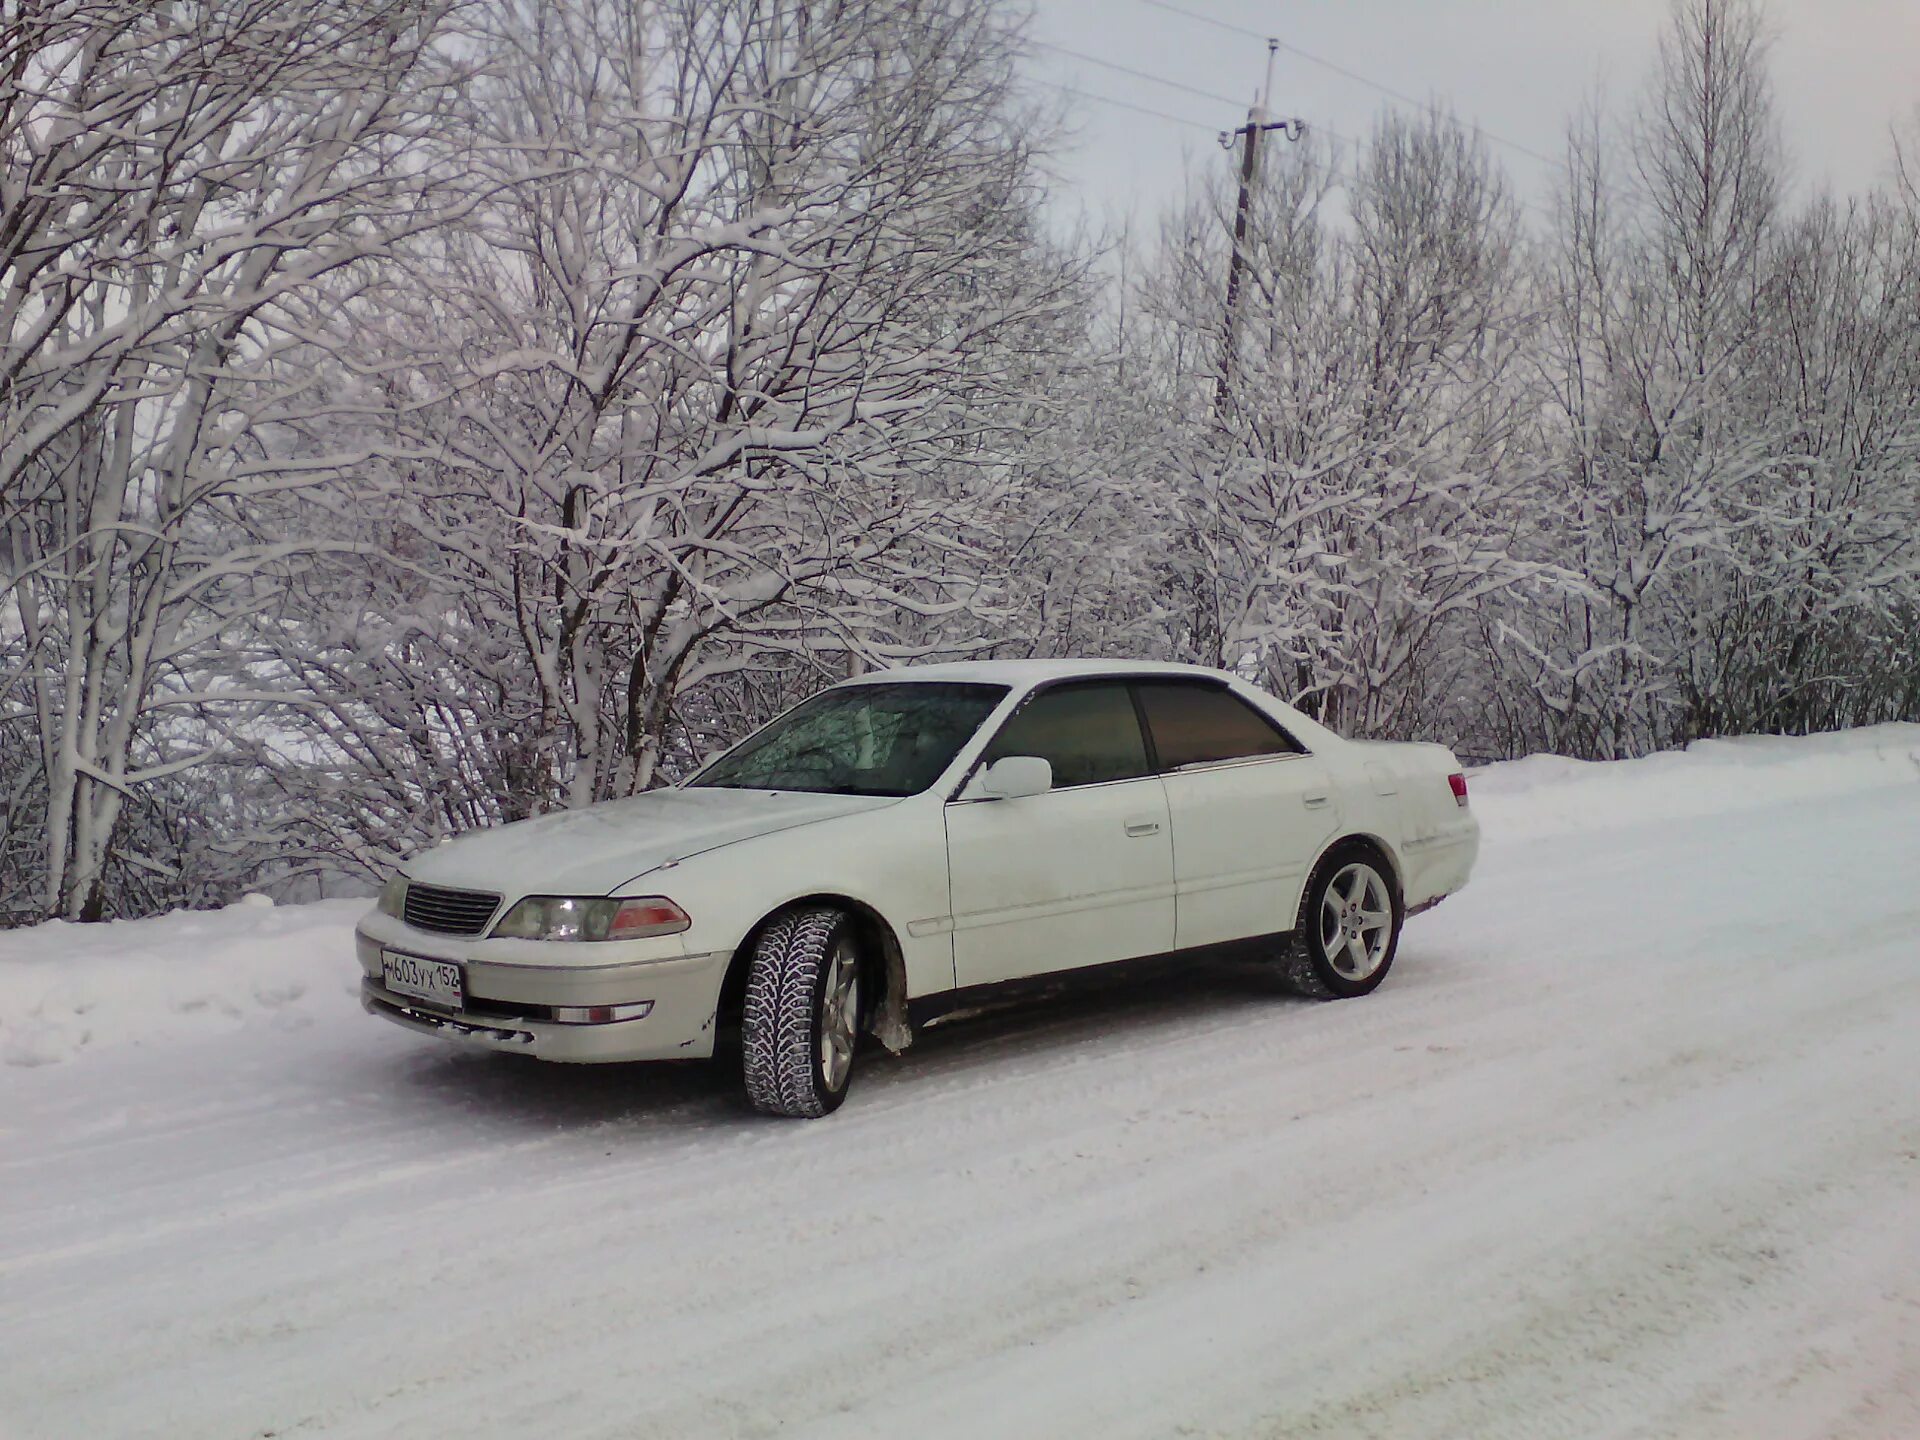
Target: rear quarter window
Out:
[1206,724]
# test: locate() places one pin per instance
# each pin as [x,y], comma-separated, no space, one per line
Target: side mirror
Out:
[1013,776]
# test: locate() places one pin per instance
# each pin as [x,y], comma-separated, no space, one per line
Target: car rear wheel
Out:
[802,1013]
[1348,929]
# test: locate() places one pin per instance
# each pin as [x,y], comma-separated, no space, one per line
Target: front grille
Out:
[449,912]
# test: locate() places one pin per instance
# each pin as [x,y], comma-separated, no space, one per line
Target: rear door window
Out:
[1089,734]
[1195,724]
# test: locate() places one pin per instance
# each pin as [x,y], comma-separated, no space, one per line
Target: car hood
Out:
[598,848]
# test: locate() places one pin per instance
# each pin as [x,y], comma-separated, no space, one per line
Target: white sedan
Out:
[903,841]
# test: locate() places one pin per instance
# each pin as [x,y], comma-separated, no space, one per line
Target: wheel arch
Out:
[1379,845]
[883,965]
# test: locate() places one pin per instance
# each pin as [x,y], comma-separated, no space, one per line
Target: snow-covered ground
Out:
[1628,1145]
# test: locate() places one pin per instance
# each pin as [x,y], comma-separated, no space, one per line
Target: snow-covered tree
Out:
[1352,444]
[417,414]
[720,394]
[181,181]
[1734,465]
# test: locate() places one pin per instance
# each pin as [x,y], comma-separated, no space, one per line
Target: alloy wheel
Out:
[839,1016]
[1356,921]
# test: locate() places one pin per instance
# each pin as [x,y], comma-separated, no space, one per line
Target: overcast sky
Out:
[1844,70]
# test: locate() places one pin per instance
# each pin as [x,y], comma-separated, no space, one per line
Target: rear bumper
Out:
[507,1006]
[1439,865]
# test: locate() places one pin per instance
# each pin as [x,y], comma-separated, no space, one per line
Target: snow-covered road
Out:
[1628,1145]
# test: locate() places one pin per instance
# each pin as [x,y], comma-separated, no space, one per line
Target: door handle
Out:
[1143,827]
[1316,801]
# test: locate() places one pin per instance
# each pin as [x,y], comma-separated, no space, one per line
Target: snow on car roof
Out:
[1031,672]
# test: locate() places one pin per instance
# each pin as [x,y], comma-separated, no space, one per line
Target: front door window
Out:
[1089,734]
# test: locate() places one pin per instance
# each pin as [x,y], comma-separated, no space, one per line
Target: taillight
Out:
[1459,784]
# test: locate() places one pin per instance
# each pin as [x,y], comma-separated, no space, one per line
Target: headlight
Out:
[563,917]
[393,897]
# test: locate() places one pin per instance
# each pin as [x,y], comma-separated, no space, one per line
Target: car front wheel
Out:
[802,1013]
[1348,928]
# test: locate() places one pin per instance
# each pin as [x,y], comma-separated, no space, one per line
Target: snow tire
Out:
[781,1026]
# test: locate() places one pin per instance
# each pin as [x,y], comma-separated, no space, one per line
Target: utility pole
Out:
[1249,135]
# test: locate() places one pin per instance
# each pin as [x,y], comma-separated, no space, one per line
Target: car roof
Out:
[1023,673]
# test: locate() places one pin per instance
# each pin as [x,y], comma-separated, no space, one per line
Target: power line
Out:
[1208,20]
[1128,105]
[1137,74]
[1429,106]
[1343,173]
[1312,125]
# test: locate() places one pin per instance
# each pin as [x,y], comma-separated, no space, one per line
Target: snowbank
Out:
[68,989]
[1552,795]
[65,989]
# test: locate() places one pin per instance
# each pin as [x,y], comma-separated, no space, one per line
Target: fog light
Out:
[601,1014]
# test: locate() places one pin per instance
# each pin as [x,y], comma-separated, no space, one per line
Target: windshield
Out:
[859,740]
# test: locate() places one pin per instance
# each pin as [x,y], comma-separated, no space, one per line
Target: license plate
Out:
[435,980]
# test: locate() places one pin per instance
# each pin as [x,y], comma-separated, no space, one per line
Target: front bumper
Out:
[508,1005]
